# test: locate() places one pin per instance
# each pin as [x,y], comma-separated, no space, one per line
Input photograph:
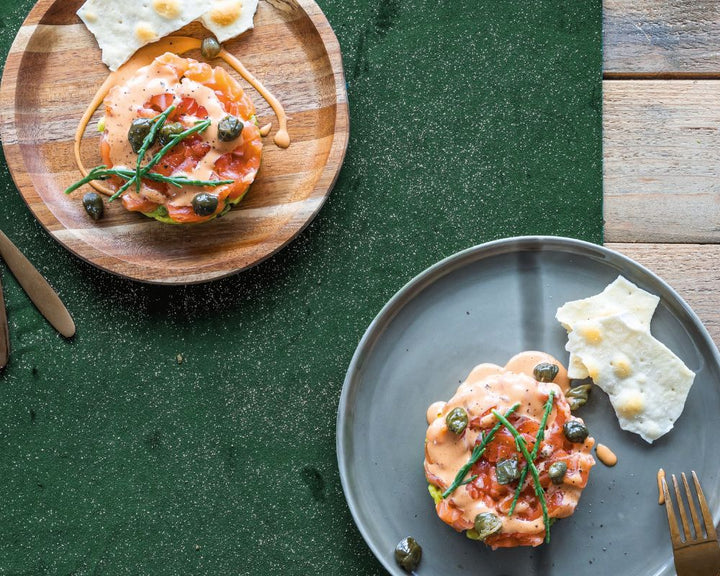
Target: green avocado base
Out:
[161,214]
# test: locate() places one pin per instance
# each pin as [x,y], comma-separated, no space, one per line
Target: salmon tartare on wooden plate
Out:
[53,69]
[229,150]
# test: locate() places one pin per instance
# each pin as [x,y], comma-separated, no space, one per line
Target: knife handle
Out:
[4,332]
[37,288]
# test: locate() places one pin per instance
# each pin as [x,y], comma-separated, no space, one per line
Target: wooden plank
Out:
[662,161]
[646,36]
[691,269]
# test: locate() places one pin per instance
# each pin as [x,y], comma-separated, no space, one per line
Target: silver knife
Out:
[37,288]
[4,333]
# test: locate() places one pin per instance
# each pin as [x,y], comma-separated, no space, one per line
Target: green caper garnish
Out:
[229,128]
[486,524]
[139,129]
[93,205]
[556,471]
[575,431]
[457,420]
[210,48]
[204,204]
[546,372]
[408,554]
[507,470]
[578,396]
[169,131]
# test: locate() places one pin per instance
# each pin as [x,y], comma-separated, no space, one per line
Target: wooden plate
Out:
[54,69]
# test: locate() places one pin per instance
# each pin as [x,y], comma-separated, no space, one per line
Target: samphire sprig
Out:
[471,479]
[199,127]
[102,172]
[477,453]
[538,439]
[522,447]
[158,123]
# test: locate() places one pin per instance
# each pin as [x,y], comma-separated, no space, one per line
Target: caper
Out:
[210,48]
[457,420]
[556,471]
[94,206]
[578,396]
[169,131]
[204,204]
[546,372]
[229,128]
[507,470]
[486,524]
[139,129]
[408,554]
[575,431]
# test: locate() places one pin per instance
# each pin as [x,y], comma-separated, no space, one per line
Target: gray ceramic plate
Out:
[484,305]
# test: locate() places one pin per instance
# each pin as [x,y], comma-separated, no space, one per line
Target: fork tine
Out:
[672,521]
[681,508]
[707,517]
[693,513]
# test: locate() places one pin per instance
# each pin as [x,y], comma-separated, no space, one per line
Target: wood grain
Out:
[662,143]
[671,37]
[662,161]
[53,70]
[691,269]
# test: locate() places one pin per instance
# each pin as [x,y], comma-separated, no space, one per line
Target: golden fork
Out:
[695,554]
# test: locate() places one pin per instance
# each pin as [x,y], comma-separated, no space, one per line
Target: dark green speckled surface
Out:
[471,120]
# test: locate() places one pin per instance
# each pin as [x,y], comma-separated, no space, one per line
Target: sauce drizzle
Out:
[525,362]
[434,411]
[605,455]
[282,138]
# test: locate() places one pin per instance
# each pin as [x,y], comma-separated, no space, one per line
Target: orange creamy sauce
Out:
[660,480]
[199,92]
[129,74]
[193,89]
[605,455]
[493,387]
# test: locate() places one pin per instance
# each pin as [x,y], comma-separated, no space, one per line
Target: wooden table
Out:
[661,125]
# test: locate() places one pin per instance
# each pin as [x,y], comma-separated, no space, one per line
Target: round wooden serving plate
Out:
[52,73]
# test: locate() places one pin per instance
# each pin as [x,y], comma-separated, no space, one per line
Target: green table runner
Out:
[192,430]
